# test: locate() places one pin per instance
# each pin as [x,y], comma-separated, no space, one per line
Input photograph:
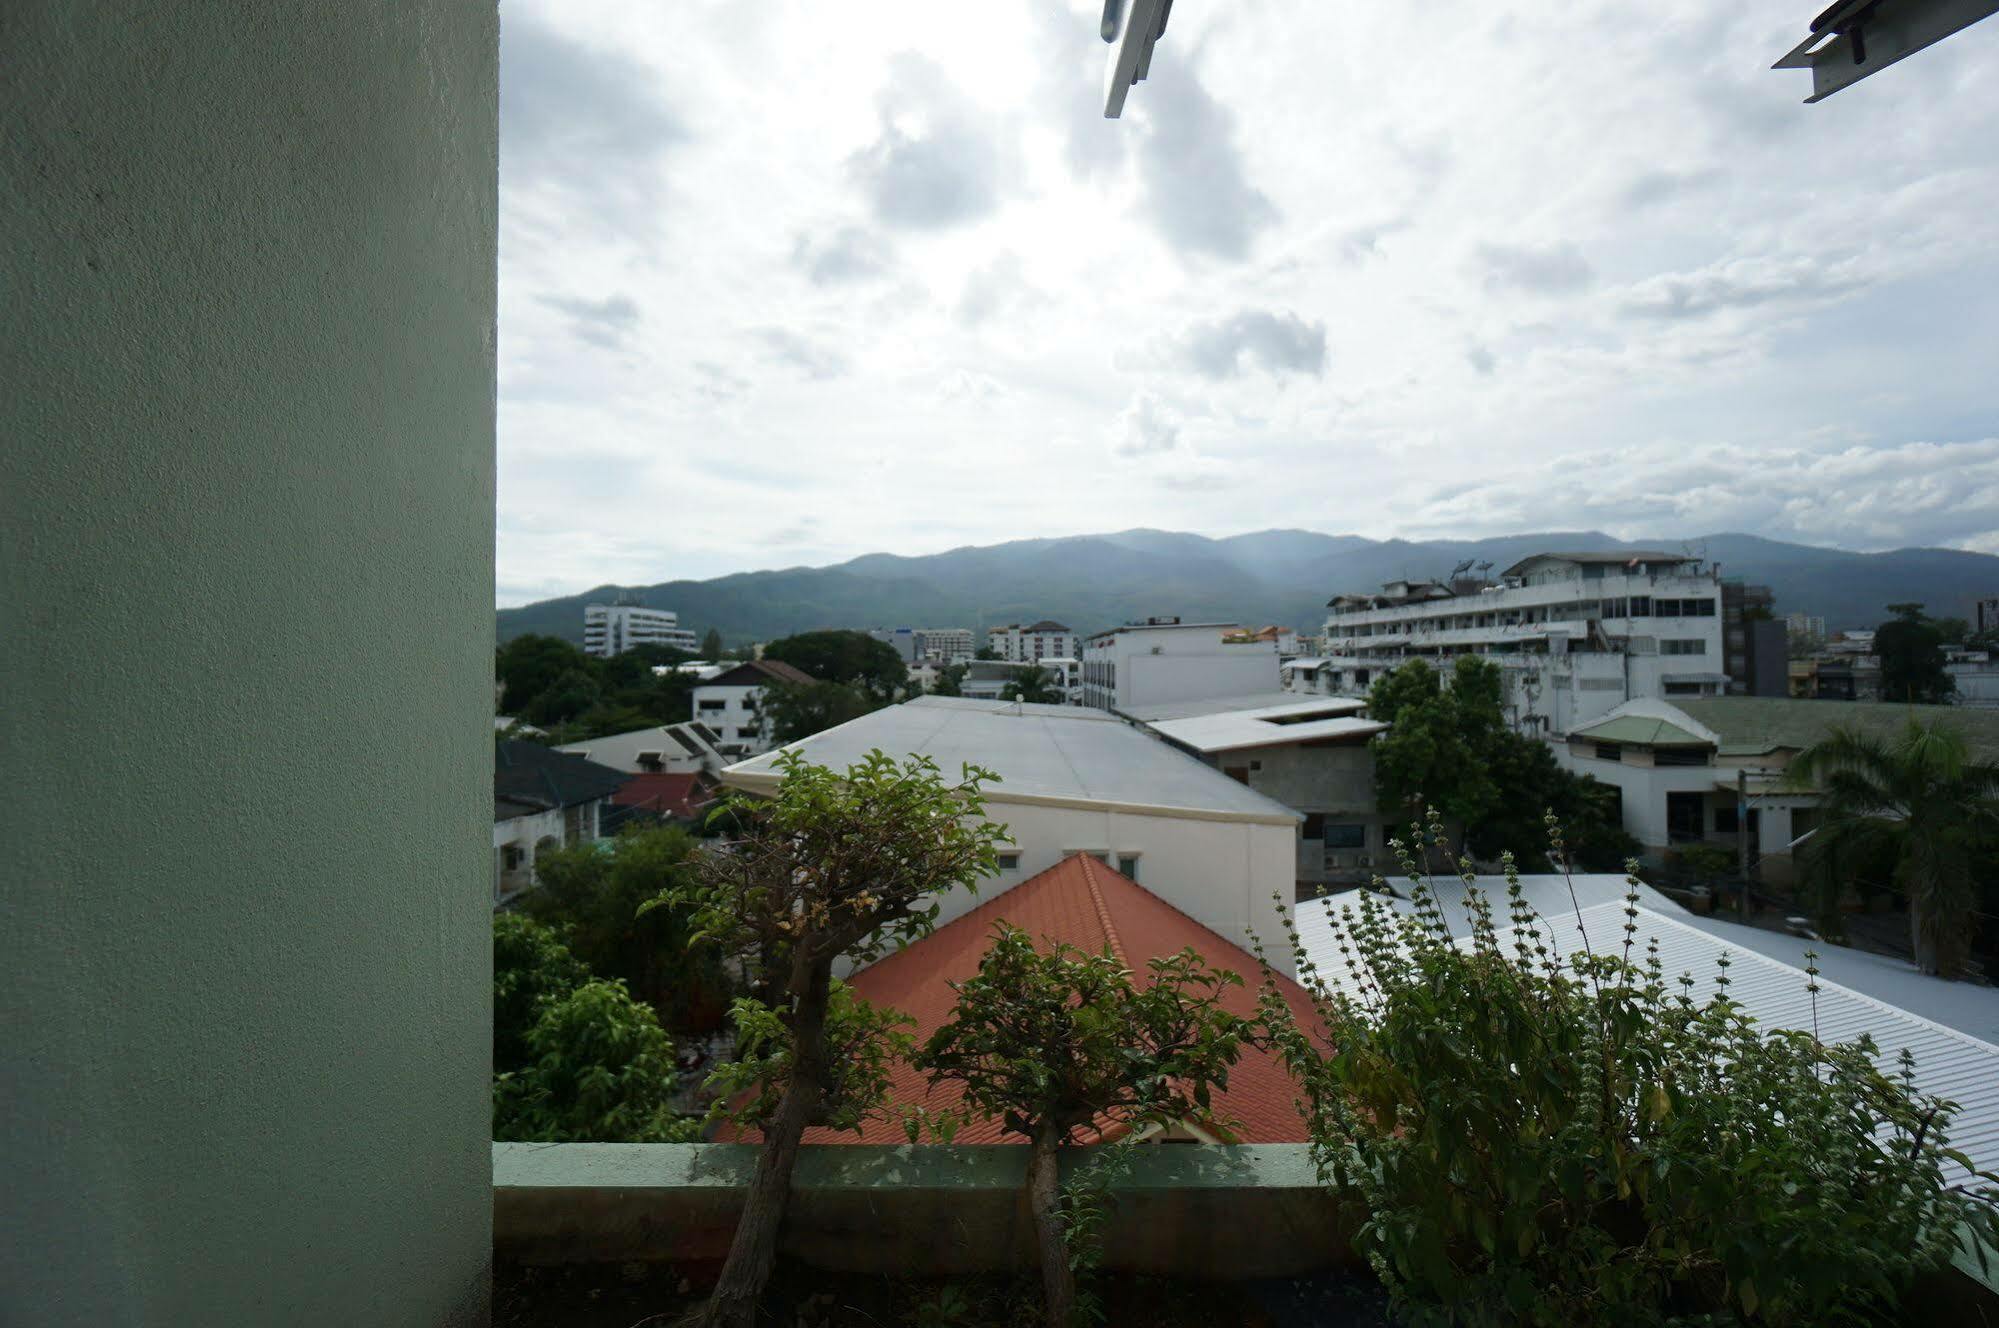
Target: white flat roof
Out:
[1051,754]
[1950,1062]
[1270,704]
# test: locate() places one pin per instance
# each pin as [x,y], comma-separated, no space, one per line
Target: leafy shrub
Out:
[599,1068]
[1567,1140]
[530,963]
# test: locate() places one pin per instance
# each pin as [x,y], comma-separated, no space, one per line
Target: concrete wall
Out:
[1188,1210]
[247,479]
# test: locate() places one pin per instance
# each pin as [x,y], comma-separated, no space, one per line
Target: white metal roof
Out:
[1241,729]
[1061,755]
[1950,1063]
[1270,704]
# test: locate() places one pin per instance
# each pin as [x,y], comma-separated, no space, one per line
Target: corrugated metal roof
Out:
[1750,725]
[1242,729]
[1064,754]
[1949,1063]
[1269,703]
[1640,729]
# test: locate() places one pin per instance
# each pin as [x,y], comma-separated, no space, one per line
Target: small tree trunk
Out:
[1044,1201]
[753,1251]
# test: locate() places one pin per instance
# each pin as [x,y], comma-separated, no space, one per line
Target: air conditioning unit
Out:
[1363,860]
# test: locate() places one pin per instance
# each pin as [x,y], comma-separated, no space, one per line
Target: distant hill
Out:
[1271,576]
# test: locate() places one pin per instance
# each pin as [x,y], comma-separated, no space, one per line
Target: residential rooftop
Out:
[1054,754]
[528,776]
[1275,726]
[1085,904]
[1756,725]
[1263,701]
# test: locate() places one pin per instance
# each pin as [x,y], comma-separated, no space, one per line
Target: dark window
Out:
[1725,820]
[1315,825]
[1360,677]
[746,733]
[1346,835]
[1641,606]
[1239,773]
[1609,751]
[1009,862]
[1685,816]
[1127,865]
[710,706]
[1680,756]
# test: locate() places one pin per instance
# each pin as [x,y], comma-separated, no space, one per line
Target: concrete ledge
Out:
[1191,1210]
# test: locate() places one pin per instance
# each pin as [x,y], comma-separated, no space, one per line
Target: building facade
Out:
[1574,635]
[731,705]
[612,629]
[1019,643]
[1163,660]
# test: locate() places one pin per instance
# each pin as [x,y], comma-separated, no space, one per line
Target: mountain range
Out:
[1269,576]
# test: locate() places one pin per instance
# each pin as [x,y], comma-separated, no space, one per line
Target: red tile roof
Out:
[685,796]
[1082,902]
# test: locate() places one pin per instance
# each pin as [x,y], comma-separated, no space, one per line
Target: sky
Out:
[784,283]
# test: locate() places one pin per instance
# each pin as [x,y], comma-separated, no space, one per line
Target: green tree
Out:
[835,865]
[800,709]
[711,645]
[593,893]
[1030,683]
[1534,785]
[1920,802]
[1438,748]
[598,1069]
[1059,1043]
[950,681]
[530,964]
[573,692]
[527,666]
[848,657]
[985,652]
[1912,663]
[1546,1139]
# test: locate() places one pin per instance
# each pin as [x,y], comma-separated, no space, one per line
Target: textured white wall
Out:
[247,479]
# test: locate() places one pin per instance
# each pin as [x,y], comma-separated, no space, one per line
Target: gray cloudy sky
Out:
[782,283]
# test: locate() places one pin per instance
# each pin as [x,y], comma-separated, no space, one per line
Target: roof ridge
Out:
[1103,909]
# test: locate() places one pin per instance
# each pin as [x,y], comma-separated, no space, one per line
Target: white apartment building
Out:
[1163,660]
[1081,781]
[1575,635]
[944,644]
[1805,624]
[732,705]
[1031,643]
[1067,673]
[612,629]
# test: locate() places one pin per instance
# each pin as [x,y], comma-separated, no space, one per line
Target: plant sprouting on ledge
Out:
[1574,1139]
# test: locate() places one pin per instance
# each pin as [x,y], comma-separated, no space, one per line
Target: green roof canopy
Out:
[1640,730]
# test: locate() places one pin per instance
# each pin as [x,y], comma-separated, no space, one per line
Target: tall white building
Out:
[1019,643]
[612,629]
[1575,635]
[944,644]
[1805,624]
[1163,660]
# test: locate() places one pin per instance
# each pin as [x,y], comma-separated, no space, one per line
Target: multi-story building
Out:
[1066,672]
[1029,644]
[732,705]
[612,629]
[901,639]
[944,644]
[1805,626]
[1163,660]
[1754,645]
[1574,634]
[1985,614]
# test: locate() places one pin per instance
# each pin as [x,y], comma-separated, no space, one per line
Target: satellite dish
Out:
[1131,27]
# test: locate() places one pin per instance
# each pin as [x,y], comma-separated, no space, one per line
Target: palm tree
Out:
[1918,804]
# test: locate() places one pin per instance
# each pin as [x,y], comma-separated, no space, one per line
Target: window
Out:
[1609,751]
[1692,645]
[1009,862]
[1641,606]
[1685,816]
[1680,756]
[1315,825]
[510,857]
[749,732]
[1127,865]
[710,707]
[1726,821]
[1352,834]
[1683,689]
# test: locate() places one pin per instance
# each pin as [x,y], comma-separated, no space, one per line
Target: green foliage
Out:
[800,709]
[573,692]
[1031,683]
[711,645]
[528,665]
[552,684]
[530,964]
[950,680]
[1088,1200]
[1062,1040]
[1910,646]
[594,894]
[1450,747]
[1709,862]
[848,657]
[1921,805]
[863,1042]
[599,1068]
[1541,1139]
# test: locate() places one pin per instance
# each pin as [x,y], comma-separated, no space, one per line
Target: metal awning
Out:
[1856,38]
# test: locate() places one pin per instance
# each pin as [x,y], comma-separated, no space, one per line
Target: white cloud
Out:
[888,266]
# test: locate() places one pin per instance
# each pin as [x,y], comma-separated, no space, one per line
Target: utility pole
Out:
[1742,835]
